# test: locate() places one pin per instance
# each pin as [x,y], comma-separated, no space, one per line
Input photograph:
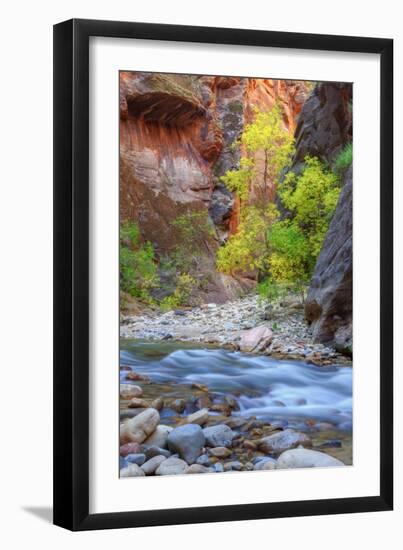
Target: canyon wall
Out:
[323,129]
[178,136]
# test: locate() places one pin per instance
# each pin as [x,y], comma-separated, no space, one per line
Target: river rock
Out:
[218,467]
[306,458]
[258,337]
[234,465]
[266,463]
[220,452]
[198,417]
[155,451]
[158,403]
[171,466]
[188,441]
[128,391]
[284,440]
[137,429]
[136,458]
[203,460]
[197,469]
[132,470]
[159,437]
[151,465]
[178,405]
[137,402]
[128,448]
[218,436]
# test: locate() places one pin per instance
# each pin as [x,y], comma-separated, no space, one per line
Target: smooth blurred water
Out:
[267,388]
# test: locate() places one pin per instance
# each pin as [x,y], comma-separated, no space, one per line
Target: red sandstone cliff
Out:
[176,141]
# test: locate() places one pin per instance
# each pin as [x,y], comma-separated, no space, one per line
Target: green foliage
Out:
[269,290]
[194,231]
[344,159]
[238,181]
[185,285]
[295,242]
[138,268]
[247,249]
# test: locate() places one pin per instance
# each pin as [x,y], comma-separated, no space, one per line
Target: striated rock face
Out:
[324,127]
[329,303]
[325,123]
[178,136]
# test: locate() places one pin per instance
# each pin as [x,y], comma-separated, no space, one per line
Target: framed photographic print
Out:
[223,274]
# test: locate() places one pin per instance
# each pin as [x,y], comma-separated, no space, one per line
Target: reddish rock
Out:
[129,448]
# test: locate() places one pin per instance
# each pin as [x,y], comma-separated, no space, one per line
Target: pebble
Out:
[220,452]
[137,429]
[198,417]
[203,460]
[197,469]
[138,459]
[171,466]
[233,466]
[159,437]
[128,391]
[265,463]
[188,441]
[218,436]
[152,464]
[306,458]
[155,451]
[132,470]
[281,441]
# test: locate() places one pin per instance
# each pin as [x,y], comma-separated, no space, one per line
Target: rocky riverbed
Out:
[246,324]
[191,409]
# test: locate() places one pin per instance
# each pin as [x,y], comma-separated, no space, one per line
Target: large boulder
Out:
[188,441]
[256,339]
[137,429]
[306,458]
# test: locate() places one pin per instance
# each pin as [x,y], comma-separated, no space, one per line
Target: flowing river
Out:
[290,393]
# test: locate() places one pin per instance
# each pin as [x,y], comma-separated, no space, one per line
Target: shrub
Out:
[138,268]
[344,159]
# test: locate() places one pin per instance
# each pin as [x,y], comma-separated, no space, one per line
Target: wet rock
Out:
[128,391]
[178,405]
[137,402]
[136,376]
[188,441]
[200,387]
[259,337]
[218,436]
[128,448]
[155,451]
[197,469]
[152,464]
[332,443]
[132,470]
[136,458]
[306,458]
[220,452]
[137,429]
[281,441]
[171,466]
[198,417]
[158,403]
[159,437]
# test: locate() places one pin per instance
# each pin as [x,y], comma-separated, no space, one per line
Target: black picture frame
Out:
[71,274]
